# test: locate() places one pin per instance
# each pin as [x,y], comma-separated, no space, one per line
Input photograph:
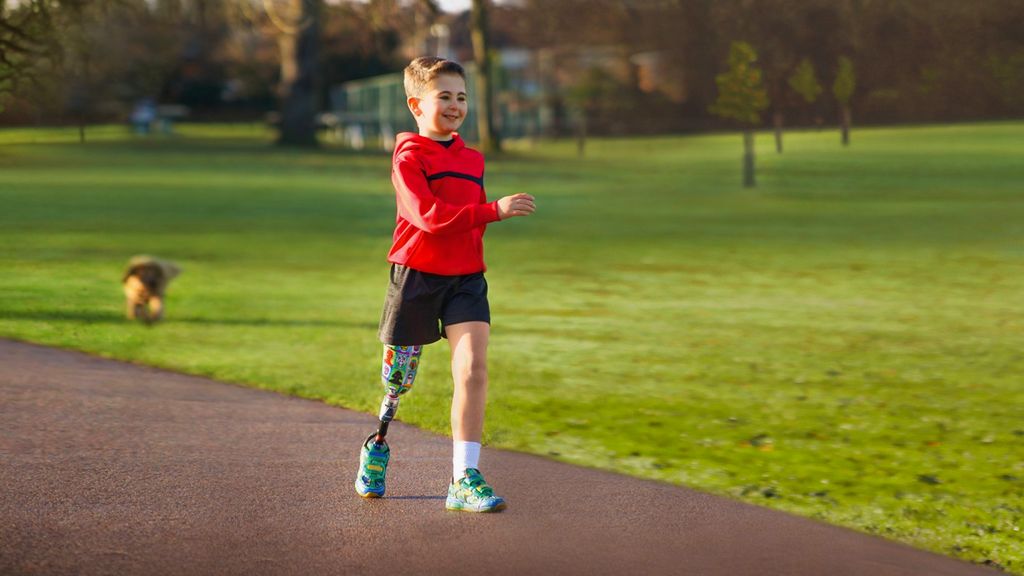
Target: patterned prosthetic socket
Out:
[398,371]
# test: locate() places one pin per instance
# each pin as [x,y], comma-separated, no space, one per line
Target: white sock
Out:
[464,455]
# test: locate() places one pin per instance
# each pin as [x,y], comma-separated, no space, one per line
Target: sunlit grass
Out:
[845,341]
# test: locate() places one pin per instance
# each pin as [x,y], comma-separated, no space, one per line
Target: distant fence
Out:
[368,113]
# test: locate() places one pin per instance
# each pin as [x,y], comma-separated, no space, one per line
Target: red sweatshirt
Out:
[442,208]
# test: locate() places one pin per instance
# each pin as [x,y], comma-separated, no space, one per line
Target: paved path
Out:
[111,468]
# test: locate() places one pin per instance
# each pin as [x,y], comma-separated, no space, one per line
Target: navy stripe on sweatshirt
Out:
[470,177]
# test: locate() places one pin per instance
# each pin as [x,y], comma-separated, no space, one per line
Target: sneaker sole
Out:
[369,494]
[461,508]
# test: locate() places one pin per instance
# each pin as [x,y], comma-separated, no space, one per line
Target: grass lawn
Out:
[845,341]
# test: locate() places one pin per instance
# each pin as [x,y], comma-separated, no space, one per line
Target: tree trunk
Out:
[489,140]
[748,159]
[84,85]
[777,118]
[299,64]
[846,125]
[699,57]
[581,134]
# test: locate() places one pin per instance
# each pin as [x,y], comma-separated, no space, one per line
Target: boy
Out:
[437,276]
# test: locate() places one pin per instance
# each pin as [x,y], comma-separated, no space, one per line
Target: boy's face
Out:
[442,108]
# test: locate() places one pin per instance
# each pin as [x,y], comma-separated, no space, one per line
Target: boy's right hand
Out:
[515,205]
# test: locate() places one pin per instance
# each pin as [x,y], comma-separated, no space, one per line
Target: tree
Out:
[299,42]
[774,27]
[586,96]
[26,37]
[489,140]
[699,38]
[778,95]
[90,60]
[843,90]
[742,97]
[804,82]
[79,40]
[55,46]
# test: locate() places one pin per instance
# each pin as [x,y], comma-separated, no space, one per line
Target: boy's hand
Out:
[515,205]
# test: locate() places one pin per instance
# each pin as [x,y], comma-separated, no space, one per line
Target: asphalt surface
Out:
[112,468]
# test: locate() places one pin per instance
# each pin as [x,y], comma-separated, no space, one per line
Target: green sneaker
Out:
[471,493]
[373,465]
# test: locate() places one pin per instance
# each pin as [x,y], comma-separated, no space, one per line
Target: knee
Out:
[472,371]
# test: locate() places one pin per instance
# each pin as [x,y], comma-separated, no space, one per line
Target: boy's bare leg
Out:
[468,490]
[468,341]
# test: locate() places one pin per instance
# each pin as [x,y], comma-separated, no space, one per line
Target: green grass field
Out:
[845,341]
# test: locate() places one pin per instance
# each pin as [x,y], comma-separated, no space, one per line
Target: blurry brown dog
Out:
[145,285]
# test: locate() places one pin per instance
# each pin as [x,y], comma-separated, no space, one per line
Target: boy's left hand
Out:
[516,205]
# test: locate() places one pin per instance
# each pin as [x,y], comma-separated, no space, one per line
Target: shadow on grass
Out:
[96,317]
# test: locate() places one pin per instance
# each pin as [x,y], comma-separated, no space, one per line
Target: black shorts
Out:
[420,305]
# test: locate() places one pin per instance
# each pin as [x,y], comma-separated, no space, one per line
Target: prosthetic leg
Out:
[398,372]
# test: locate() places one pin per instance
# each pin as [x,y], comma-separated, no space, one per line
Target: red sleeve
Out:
[418,205]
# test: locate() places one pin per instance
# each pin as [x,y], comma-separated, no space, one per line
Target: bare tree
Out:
[299,41]
[489,140]
[52,37]
[26,36]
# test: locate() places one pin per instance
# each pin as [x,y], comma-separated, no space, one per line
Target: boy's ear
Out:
[414,105]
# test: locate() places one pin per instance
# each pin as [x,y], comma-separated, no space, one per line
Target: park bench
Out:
[147,117]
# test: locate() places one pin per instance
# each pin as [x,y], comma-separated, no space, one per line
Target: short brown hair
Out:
[423,70]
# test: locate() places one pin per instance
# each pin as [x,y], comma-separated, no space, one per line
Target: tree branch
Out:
[19,28]
[7,45]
